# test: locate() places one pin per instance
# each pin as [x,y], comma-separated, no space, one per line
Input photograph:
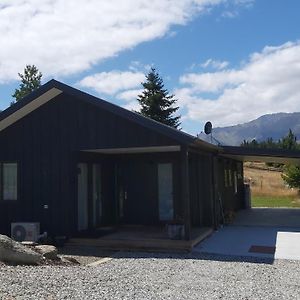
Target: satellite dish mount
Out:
[208,130]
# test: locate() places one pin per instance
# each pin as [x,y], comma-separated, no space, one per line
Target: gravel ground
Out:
[84,255]
[155,276]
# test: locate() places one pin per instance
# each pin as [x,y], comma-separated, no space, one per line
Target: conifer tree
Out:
[156,103]
[289,142]
[30,81]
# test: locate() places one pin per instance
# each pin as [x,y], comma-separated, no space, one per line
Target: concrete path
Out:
[281,217]
[279,228]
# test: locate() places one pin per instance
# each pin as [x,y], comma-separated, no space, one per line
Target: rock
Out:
[47,251]
[14,252]
[70,260]
[28,243]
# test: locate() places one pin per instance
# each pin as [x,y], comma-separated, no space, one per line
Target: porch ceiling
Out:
[262,155]
[155,149]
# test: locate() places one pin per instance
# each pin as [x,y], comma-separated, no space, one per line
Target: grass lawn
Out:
[272,201]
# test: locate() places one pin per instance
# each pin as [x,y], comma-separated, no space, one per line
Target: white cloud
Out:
[210,64]
[112,82]
[121,85]
[230,14]
[129,95]
[64,37]
[213,82]
[215,64]
[268,83]
[132,105]
[244,3]
[137,66]
[233,8]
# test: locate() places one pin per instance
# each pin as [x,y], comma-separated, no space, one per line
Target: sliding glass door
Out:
[89,200]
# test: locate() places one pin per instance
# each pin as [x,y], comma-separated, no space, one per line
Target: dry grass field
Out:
[268,188]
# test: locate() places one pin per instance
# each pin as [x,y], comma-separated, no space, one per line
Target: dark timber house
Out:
[74,162]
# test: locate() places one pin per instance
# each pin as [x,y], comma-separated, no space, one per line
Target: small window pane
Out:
[10,181]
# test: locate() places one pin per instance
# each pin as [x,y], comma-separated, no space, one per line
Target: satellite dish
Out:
[208,127]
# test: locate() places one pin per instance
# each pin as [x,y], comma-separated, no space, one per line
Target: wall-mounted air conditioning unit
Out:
[25,232]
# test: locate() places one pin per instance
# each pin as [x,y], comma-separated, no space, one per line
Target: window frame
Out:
[2,200]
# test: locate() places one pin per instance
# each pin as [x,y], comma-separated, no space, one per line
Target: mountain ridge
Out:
[274,126]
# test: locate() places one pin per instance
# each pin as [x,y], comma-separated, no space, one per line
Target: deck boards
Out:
[143,239]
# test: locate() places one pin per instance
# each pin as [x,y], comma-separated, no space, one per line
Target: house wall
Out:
[201,188]
[46,145]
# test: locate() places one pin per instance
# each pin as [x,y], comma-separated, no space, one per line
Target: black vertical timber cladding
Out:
[215,192]
[46,145]
[185,191]
[201,189]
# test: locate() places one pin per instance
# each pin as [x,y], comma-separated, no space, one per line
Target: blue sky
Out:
[227,61]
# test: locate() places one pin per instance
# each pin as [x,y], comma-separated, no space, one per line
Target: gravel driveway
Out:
[155,276]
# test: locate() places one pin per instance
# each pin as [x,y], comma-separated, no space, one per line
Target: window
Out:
[9,181]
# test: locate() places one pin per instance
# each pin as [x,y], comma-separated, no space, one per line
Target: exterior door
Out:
[165,191]
[82,201]
[137,192]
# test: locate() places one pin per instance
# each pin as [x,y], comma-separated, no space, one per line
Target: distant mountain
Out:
[271,125]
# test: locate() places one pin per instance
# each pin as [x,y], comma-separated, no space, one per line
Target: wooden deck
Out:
[143,239]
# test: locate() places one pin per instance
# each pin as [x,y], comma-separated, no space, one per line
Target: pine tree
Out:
[30,81]
[289,142]
[156,103]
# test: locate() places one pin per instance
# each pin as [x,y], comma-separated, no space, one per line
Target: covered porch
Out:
[138,192]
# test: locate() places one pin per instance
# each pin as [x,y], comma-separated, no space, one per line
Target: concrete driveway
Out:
[270,233]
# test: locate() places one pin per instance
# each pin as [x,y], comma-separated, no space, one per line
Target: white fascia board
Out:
[28,108]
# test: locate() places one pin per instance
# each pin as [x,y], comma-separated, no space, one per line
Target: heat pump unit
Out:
[25,231]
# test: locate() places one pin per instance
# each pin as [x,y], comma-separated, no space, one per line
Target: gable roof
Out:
[53,88]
